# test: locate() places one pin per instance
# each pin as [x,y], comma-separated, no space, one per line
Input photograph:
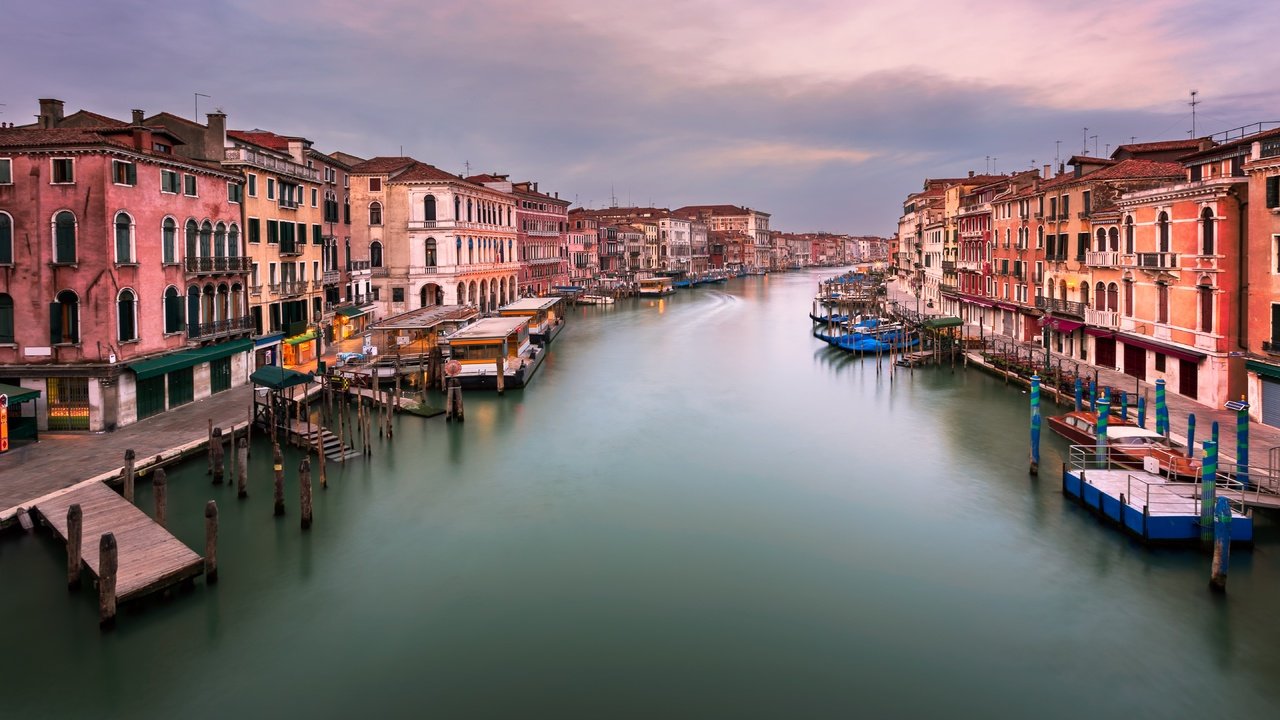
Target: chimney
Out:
[970,173]
[50,113]
[1047,169]
[215,137]
[1062,167]
[535,187]
[137,116]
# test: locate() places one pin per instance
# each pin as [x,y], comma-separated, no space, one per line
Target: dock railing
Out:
[1257,485]
[1174,489]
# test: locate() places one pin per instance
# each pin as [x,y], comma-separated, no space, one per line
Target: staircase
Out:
[333,449]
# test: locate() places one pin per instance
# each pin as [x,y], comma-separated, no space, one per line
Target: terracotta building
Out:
[542,234]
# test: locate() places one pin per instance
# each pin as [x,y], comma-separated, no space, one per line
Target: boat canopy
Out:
[943,322]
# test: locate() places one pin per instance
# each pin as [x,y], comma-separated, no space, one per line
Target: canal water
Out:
[695,510]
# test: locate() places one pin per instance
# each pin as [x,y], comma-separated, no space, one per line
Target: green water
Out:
[695,510]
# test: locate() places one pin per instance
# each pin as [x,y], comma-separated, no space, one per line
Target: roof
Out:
[489,328]
[1226,147]
[278,378]
[262,138]
[1134,169]
[420,171]
[427,317]
[487,178]
[534,303]
[157,366]
[103,137]
[382,165]
[18,394]
[346,158]
[1120,431]
[1158,146]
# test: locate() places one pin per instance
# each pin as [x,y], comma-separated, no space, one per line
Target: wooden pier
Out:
[149,557]
[305,436]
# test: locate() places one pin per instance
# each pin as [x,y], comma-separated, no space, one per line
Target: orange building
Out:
[1260,335]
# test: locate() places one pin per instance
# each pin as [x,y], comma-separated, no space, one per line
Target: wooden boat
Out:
[546,319]
[478,346]
[595,300]
[655,287]
[1129,444]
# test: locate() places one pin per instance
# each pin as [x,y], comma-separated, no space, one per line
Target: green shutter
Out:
[302,233]
[255,230]
[1273,192]
[55,323]
[315,235]
[6,240]
[273,232]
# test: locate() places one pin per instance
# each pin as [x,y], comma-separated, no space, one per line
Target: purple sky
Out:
[825,113]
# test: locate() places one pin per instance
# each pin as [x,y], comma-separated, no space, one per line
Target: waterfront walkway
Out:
[58,461]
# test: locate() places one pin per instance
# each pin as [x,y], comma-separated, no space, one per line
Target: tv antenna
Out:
[197,98]
[1194,102]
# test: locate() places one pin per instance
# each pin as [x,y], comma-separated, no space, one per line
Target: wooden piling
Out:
[211,542]
[216,453]
[107,564]
[242,472]
[160,490]
[1221,545]
[304,492]
[75,525]
[248,428]
[130,473]
[231,471]
[324,481]
[342,439]
[278,465]
[210,453]
[502,375]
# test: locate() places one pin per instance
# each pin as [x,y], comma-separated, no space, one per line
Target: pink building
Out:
[542,234]
[123,286]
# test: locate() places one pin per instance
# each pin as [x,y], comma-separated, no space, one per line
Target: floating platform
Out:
[1146,505]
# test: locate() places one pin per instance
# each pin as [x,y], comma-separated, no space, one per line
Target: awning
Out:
[943,322]
[1008,306]
[976,301]
[18,394]
[1267,369]
[1061,325]
[299,339]
[278,378]
[157,366]
[1099,332]
[1180,353]
[351,311]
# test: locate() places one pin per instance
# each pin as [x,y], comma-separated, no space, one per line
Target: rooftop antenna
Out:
[1094,138]
[1133,139]
[987,167]
[1057,152]
[993,165]
[466,164]
[1085,135]
[197,97]
[1108,150]
[1194,102]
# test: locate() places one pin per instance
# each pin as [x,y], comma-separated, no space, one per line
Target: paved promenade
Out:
[60,461]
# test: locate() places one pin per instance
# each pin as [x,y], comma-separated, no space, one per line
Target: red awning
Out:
[1061,325]
[1152,345]
[976,300]
[1008,306]
[1099,332]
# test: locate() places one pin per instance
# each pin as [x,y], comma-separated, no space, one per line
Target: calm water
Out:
[696,510]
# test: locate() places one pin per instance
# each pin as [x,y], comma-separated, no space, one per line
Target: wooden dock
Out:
[309,436]
[149,557]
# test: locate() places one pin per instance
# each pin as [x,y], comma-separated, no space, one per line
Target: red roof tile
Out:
[1135,169]
[1159,146]
[382,165]
[261,138]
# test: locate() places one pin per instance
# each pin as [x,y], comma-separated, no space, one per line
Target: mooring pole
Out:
[1035,424]
[1221,545]
[1208,491]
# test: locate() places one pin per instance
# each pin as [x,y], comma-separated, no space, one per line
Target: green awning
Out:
[154,367]
[1267,369]
[943,322]
[18,394]
[278,378]
[301,338]
[351,311]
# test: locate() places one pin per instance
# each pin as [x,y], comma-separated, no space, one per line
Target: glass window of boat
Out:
[476,352]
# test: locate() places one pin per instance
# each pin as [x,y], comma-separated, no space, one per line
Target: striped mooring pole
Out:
[1241,409]
[1221,545]
[1142,411]
[1079,394]
[1191,435]
[1035,424]
[1104,413]
[1162,422]
[1208,491]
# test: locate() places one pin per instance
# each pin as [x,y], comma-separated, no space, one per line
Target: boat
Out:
[594,300]
[1129,444]
[546,319]
[485,345]
[655,287]
[824,319]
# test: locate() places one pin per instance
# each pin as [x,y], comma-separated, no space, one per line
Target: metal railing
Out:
[357,265]
[266,162]
[200,331]
[1102,258]
[1156,260]
[1061,307]
[214,265]
[1102,318]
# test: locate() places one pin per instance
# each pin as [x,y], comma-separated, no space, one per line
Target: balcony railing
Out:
[1060,307]
[452,225]
[330,277]
[948,266]
[288,288]
[357,265]
[948,289]
[267,162]
[1102,318]
[255,289]
[378,271]
[1154,261]
[216,265]
[288,250]
[230,326]
[1102,258]
[969,265]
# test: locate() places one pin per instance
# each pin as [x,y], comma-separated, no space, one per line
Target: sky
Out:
[825,113]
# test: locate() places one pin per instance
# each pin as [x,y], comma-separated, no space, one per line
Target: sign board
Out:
[4,423]
[453,368]
[402,339]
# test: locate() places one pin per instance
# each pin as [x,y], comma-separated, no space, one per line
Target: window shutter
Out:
[55,323]
[1273,192]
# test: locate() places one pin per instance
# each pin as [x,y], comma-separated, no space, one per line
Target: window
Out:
[1128,235]
[220,241]
[206,239]
[1273,192]
[271,188]
[468,209]
[233,240]
[302,233]
[375,184]
[315,197]
[124,238]
[6,319]
[375,213]
[172,310]
[64,319]
[1208,230]
[316,238]
[6,171]
[235,192]
[1162,303]
[64,170]
[397,294]
[431,252]
[273,232]
[126,316]
[375,254]
[169,241]
[1113,239]
[1160,362]
[1040,237]
[6,239]
[429,208]
[1206,308]
[1162,229]
[168,182]
[124,173]
[189,185]
[64,238]
[253,185]
[255,230]
[346,210]
[1082,245]
[1128,298]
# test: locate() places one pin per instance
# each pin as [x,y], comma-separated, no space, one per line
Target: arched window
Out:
[429,208]
[206,239]
[1053,287]
[1128,298]
[220,241]
[6,319]
[1100,296]
[461,299]
[375,254]
[126,316]
[1162,231]
[193,233]
[1162,303]
[64,238]
[172,310]
[431,252]
[471,249]
[1206,308]
[169,241]
[1040,237]
[64,319]
[1208,231]
[375,213]
[124,237]
[6,239]
[468,209]
[1113,238]
[1084,293]
[1062,289]
[193,311]
[1128,235]
[346,210]
[1113,297]
[1101,243]
[457,208]
[233,241]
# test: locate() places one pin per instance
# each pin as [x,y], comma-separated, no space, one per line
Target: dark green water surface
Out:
[695,510]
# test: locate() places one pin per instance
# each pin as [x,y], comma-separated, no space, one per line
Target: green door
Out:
[150,396]
[181,387]
[220,375]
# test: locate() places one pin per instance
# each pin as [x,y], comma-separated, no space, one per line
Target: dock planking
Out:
[150,558]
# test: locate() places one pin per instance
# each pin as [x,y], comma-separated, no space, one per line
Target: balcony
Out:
[1151,261]
[378,271]
[291,250]
[948,266]
[451,225]
[290,288]
[969,266]
[218,265]
[218,328]
[1060,307]
[355,266]
[330,277]
[1102,318]
[245,156]
[1102,259]
[948,289]
[255,289]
